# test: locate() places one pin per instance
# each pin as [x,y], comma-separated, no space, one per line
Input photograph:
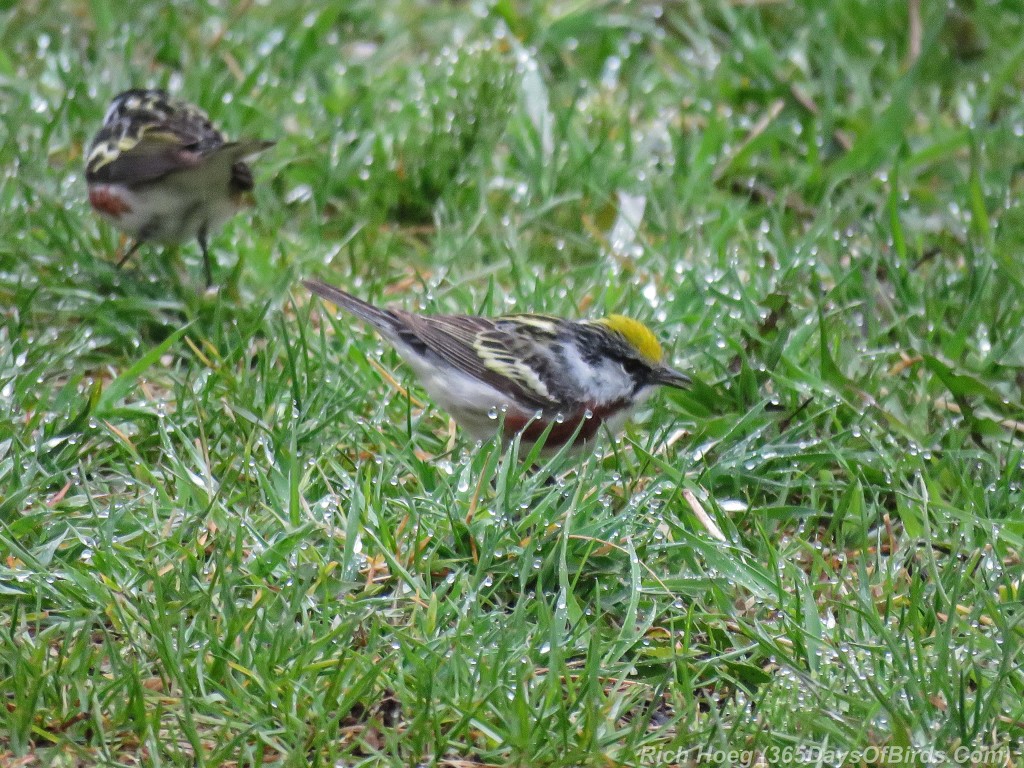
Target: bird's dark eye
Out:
[635,369]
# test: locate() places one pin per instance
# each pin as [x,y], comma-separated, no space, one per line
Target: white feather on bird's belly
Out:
[174,209]
[165,216]
[474,404]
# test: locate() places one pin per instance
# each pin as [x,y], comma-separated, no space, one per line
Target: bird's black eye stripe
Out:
[596,353]
[635,368]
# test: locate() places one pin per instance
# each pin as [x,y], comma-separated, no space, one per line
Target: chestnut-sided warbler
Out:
[160,171]
[533,374]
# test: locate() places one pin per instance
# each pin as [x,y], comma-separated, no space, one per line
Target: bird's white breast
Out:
[172,210]
[603,382]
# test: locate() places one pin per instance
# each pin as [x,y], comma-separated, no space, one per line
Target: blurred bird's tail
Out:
[243,149]
[383,319]
[236,153]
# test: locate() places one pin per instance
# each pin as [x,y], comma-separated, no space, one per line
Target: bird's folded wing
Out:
[154,155]
[480,348]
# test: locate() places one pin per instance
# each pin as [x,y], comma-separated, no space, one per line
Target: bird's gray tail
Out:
[383,319]
[232,151]
[231,157]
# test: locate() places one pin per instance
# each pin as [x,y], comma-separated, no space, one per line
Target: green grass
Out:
[226,539]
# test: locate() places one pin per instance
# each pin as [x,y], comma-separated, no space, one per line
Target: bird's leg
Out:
[206,255]
[131,252]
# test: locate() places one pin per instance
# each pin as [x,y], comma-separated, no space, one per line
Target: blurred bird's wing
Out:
[147,136]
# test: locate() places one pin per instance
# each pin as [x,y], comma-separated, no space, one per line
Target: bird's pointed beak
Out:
[670,377]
